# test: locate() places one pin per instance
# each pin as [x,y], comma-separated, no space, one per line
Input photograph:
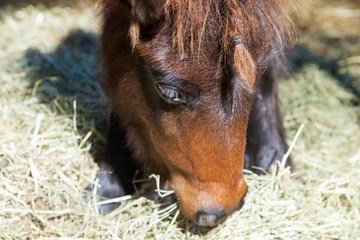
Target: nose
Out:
[207,203]
[212,217]
[209,217]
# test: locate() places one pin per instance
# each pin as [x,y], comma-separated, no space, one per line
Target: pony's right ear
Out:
[143,14]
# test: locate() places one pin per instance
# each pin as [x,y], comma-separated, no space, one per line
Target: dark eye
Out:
[170,94]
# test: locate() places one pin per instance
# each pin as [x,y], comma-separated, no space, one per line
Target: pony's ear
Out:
[146,11]
[244,65]
[144,14]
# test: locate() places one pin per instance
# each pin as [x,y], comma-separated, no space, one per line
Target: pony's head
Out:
[183,76]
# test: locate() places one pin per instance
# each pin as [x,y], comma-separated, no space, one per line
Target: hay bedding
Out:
[52,125]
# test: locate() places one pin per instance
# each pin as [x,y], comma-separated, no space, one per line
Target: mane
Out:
[262,24]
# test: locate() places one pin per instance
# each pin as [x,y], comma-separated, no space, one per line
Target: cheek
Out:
[170,130]
[169,126]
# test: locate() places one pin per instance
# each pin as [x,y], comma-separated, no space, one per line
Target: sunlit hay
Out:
[51,112]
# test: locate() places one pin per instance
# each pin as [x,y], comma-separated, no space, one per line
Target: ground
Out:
[53,125]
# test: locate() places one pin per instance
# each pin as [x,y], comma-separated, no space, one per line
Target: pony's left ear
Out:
[244,64]
[146,12]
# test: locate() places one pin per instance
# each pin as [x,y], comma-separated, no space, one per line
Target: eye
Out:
[170,94]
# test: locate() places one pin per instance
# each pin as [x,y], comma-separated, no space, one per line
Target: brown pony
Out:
[193,96]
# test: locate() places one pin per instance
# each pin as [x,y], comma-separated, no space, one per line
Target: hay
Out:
[52,124]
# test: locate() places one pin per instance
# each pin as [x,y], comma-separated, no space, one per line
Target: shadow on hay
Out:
[68,75]
[300,56]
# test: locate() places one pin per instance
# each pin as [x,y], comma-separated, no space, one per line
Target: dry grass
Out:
[52,124]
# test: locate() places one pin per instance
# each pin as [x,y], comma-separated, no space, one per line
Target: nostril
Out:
[241,204]
[242,201]
[209,217]
[174,198]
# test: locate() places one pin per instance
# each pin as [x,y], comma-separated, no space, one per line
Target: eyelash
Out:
[171,94]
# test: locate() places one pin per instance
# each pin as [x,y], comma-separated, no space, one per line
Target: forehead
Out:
[201,67]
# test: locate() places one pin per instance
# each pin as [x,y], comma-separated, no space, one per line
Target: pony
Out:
[193,93]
